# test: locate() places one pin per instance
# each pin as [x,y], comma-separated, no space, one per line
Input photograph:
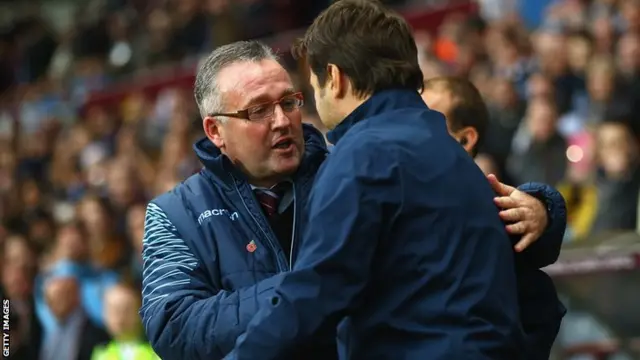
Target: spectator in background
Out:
[74,336]
[123,324]
[538,149]
[602,90]
[19,268]
[618,179]
[103,230]
[72,255]
[505,113]
[135,233]
[577,188]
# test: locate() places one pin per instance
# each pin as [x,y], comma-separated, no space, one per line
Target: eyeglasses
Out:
[288,103]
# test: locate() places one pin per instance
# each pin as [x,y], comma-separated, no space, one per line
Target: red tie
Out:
[270,199]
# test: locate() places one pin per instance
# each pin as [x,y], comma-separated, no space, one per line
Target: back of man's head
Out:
[465,109]
[372,45]
[206,91]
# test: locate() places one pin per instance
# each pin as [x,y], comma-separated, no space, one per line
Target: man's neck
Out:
[70,318]
[347,106]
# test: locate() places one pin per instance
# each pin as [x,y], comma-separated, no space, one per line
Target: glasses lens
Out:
[290,103]
[259,112]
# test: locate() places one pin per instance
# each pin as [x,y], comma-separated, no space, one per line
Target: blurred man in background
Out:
[75,335]
[541,311]
[123,325]
[402,244]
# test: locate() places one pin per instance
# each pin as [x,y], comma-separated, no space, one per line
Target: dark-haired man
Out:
[403,238]
[540,310]
[213,245]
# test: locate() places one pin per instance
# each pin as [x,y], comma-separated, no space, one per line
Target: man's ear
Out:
[336,83]
[214,130]
[467,137]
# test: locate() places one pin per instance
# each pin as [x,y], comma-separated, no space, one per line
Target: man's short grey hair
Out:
[206,89]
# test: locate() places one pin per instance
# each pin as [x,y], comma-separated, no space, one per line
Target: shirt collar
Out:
[287,198]
[380,102]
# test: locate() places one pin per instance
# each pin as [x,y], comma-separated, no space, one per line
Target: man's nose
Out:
[280,118]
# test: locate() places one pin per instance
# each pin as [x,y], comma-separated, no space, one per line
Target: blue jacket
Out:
[404,240]
[200,283]
[541,311]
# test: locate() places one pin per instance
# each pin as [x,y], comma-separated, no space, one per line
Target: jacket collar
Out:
[221,167]
[379,102]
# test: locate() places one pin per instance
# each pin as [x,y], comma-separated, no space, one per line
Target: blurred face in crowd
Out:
[630,10]
[41,231]
[71,243]
[578,53]
[94,216]
[121,183]
[135,226]
[550,48]
[616,148]
[18,268]
[121,317]
[539,85]
[268,149]
[603,33]
[541,119]
[431,68]
[99,123]
[31,195]
[503,94]
[480,76]
[629,54]
[601,79]
[63,296]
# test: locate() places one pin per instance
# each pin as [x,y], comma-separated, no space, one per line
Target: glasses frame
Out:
[245,113]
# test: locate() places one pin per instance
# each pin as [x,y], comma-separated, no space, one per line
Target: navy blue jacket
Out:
[404,239]
[200,282]
[541,311]
[173,286]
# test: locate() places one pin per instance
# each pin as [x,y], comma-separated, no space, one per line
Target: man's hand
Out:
[526,214]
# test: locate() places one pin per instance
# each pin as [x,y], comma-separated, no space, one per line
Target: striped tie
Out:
[270,199]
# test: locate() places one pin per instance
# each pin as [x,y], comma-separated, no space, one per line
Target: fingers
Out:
[495,184]
[525,242]
[506,202]
[500,188]
[519,228]
[513,215]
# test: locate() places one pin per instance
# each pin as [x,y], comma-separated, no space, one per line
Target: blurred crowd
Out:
[564,100]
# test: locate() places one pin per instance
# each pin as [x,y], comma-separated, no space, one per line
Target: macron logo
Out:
[217,212]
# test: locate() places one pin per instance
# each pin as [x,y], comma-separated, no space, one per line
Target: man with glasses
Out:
[210,241]
[405,249]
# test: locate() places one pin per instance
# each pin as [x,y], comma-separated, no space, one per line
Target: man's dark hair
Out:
[372,45]
[467,106]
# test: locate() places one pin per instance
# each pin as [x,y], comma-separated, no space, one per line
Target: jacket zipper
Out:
[264,232]
[293,231]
